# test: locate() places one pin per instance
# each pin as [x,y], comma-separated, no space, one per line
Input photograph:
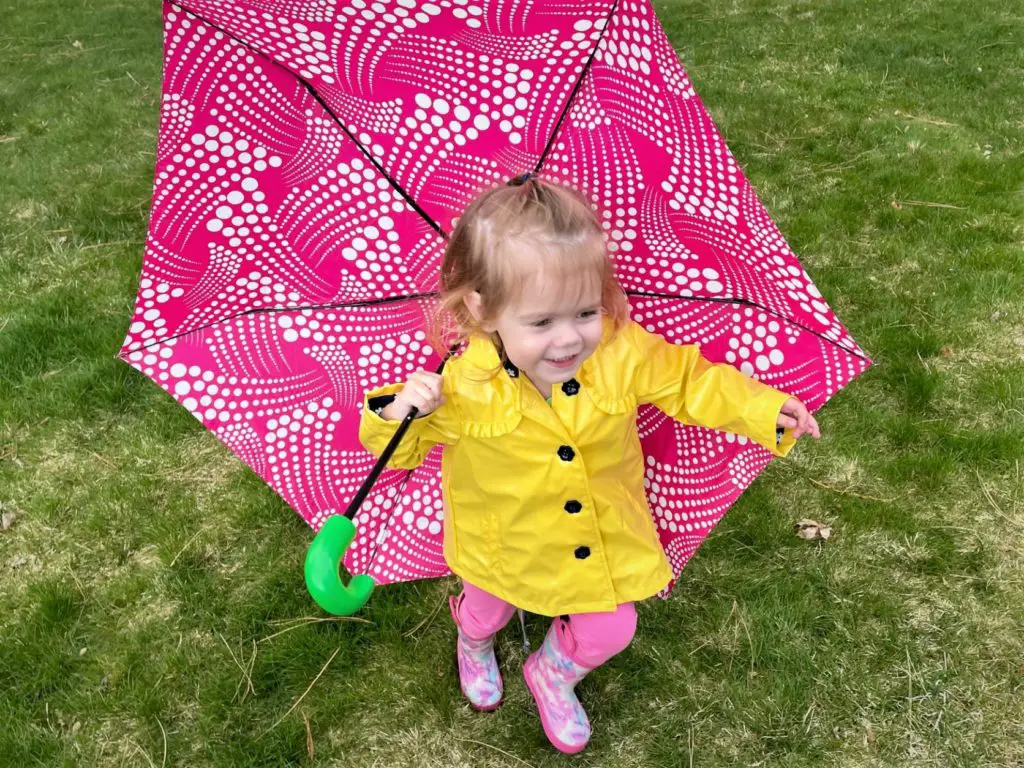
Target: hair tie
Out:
[517,181]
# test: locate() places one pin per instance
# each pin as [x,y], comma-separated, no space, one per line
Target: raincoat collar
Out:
[597,379]
[492,397]
[480,352]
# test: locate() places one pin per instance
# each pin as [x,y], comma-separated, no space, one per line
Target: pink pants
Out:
[594,637]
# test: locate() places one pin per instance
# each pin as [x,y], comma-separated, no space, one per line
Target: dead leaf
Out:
[869,733]
[7,520]
[812,530]
[77,44]
[897,206]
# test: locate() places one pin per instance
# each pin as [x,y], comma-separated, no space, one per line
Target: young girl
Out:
[542,469]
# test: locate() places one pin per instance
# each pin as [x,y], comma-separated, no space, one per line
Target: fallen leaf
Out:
[812,530]
[7,520]
[77,44]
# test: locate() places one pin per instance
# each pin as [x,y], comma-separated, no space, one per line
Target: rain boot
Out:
[551,675]
[478,668]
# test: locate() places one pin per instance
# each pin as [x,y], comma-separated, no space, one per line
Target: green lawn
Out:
[151,609]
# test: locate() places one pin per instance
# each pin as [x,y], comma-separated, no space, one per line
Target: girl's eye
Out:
[588,313]
[541,323]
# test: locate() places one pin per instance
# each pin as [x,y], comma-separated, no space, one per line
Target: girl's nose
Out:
[569,337]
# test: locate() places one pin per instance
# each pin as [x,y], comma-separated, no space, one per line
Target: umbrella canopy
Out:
[313,158]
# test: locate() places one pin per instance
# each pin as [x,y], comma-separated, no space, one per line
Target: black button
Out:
[510,369]
[565,453]
[582,553]
[571,387]
[572,506]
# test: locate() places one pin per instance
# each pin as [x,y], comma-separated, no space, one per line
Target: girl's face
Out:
[549,332]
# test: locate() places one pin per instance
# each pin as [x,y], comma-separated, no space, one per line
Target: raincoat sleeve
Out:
[440,426]
[691,389]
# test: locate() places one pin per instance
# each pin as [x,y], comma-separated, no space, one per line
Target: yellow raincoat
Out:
[544,504]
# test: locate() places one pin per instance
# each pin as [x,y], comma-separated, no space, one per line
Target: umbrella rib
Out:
[433,294]
[382,533]
[753,304]
[575,90]
[398,187]
[258,310]
[312,92]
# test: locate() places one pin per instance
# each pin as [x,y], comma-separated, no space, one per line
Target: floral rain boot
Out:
[478,668]
[551,675]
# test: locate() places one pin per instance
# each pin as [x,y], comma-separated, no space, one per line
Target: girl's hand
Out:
[795,414]
[422,391]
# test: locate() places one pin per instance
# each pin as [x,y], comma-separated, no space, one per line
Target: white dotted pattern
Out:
[277,246]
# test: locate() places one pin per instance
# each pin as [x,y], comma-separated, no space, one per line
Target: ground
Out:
[152,605]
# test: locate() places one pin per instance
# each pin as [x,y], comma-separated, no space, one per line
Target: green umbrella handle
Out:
[323,560]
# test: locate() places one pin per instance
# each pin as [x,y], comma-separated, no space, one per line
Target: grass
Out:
[152,602]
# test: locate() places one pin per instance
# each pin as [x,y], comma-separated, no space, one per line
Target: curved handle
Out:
[323,560]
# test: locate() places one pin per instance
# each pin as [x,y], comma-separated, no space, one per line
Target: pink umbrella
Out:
[312,158]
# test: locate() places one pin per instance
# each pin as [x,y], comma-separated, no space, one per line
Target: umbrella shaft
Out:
[364,489]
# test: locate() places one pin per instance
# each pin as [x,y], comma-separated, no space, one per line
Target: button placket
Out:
[573,506]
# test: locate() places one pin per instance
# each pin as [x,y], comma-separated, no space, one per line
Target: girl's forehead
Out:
[542,294]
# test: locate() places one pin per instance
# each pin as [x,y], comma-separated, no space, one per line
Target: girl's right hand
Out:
[422,391]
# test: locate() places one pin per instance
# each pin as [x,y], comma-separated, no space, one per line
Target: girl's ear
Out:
[475,305]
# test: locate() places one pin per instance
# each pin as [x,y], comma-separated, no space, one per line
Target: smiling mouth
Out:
[562,360]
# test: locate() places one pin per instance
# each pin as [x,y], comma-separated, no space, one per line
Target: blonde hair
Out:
[483,255]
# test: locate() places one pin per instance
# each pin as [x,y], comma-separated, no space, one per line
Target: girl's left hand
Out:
[794,415]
